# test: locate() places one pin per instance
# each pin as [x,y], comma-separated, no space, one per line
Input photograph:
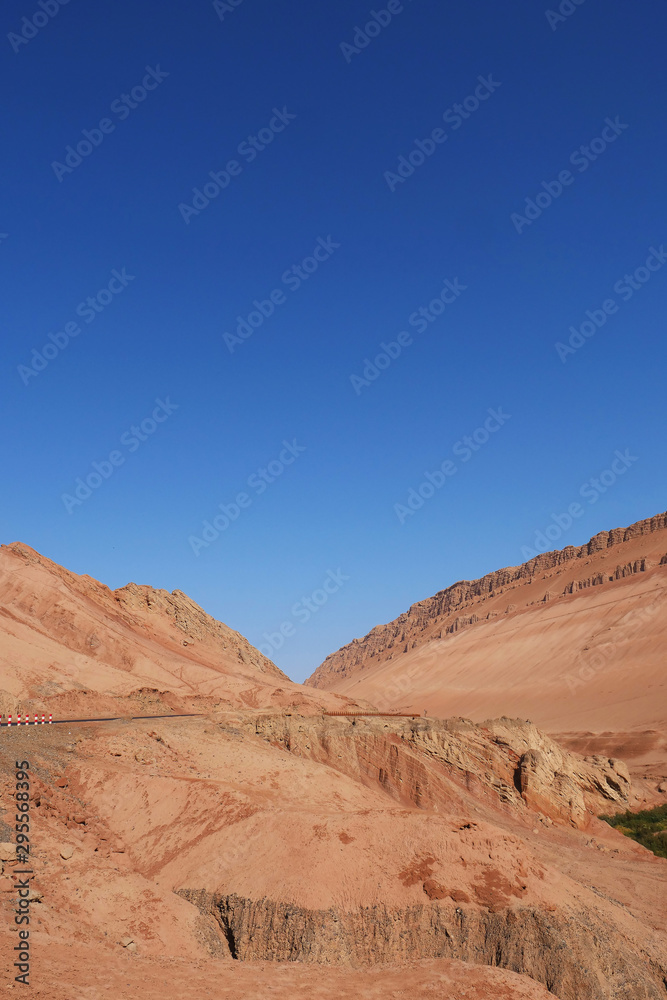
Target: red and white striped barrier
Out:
[26,721]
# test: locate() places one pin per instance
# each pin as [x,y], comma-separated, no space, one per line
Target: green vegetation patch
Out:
[648,828]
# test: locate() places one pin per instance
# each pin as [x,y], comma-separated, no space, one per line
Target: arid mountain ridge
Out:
[69,643]
[573,640]
[433,615]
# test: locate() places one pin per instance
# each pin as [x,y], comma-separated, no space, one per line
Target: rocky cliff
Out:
[576,953]
[572,639]
[440,615]
[432,763]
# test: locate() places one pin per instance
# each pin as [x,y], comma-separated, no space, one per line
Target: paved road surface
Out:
[112,718]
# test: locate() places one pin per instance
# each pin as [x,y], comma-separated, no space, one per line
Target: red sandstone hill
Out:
[574,640]
[70,644]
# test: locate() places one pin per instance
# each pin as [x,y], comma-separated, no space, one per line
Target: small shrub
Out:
[648,828]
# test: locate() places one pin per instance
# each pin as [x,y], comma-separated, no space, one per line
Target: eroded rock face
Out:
[576,954]
[491,905]
[505,759]
[542,788]
[348,844]
[486,899]
[561,784]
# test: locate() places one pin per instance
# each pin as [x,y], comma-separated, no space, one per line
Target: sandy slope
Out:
[65,973]
[574,641]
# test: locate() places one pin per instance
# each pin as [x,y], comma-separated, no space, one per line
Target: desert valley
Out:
[439,837]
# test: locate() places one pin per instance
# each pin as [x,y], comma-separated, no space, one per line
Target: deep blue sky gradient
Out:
[324,176]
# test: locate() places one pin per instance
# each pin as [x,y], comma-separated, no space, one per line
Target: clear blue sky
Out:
[220,77]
